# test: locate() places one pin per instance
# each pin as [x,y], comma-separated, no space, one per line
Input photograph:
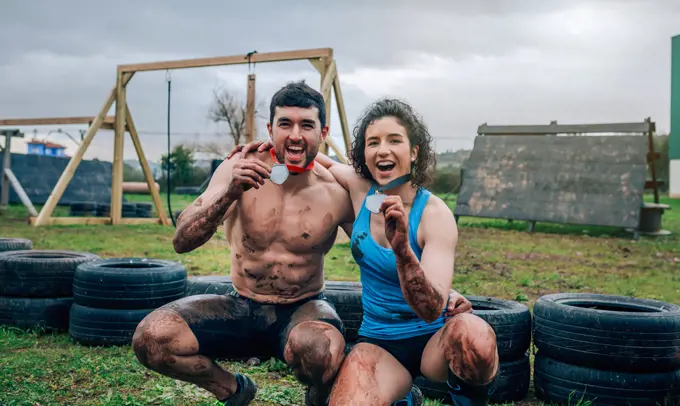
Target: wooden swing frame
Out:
[121,121]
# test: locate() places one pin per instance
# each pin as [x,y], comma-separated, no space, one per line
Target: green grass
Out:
[494,258]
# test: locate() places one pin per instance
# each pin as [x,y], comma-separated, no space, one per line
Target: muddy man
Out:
[279,231]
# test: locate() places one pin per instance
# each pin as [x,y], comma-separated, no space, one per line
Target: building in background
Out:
[46,148]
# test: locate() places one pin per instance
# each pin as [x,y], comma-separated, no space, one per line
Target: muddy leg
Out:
[370,376]
[463,352]
[163,342]
[314,348]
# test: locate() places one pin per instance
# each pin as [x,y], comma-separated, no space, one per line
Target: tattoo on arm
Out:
[425,300]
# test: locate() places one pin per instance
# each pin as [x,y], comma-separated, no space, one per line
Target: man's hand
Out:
[458,304]
[247,173]
[396,223]
[259,146]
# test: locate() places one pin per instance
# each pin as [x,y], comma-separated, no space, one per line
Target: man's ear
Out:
[269,131]
[324,133]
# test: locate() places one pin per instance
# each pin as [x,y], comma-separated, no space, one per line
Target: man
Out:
[278,234]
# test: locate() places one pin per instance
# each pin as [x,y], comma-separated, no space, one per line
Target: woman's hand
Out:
[258,145]
[458,304]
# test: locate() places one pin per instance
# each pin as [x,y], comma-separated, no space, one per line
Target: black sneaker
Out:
[246,391]
[464,394]
[413,398]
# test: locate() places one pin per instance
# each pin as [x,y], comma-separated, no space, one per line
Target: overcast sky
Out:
[460,64]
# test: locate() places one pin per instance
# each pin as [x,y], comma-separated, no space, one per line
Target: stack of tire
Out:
[111,296]
[611,350]
[511,321]
[36,285]
[84,209]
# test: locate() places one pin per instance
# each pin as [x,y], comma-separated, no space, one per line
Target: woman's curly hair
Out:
[418,134]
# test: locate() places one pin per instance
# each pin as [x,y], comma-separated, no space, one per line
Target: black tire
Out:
[15,244]
[555,381]
[104,327]
[510,320]
[47,314]
[128,283]
[346,297]
[40,273]
[608,332]
[213,285]
[513,383]
[81,207]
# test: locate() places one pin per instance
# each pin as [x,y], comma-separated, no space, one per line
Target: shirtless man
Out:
[278,234]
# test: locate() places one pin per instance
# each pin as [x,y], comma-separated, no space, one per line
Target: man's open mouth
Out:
[295,152]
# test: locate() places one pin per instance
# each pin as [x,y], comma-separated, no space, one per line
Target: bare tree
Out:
[230,109]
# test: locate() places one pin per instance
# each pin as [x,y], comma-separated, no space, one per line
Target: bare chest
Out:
[302,221]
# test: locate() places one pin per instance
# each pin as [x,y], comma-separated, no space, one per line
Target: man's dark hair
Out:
[298,94]
[418,134]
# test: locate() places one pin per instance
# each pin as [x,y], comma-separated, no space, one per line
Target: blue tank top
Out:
[387,315]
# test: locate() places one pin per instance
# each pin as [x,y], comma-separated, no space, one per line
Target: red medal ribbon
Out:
[291,168]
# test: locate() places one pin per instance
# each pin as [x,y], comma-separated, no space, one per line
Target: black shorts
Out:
[231,326]
[408,351]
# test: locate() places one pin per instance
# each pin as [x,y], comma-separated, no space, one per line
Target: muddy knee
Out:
[161,335]
[470,348]
[315,351]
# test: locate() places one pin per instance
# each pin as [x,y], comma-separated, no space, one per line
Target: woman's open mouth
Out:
[385,167]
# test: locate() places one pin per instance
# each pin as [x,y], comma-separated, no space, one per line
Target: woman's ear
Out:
[414,153]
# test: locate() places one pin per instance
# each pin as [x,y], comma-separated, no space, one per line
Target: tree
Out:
[228,108]
[181,161]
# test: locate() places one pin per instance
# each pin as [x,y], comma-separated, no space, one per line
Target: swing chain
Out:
[251,70]
[168,78]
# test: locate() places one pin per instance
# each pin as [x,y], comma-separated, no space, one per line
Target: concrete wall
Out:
[39,174]
[674,139]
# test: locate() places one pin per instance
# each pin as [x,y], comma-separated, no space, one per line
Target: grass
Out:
[494,258]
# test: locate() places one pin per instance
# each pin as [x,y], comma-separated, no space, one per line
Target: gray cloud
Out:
[459,63]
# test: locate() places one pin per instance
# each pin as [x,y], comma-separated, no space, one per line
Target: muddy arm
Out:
[200,220]
[426,284]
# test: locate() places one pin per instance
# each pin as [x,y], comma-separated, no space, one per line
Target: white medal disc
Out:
[279,174]
[373,202]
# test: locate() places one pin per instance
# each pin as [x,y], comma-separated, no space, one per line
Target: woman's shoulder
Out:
[435,205]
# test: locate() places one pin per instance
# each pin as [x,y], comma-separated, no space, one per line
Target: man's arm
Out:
[426,283]
[341,172]
[199,221]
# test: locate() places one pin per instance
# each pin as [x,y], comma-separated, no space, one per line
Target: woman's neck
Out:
[406,191]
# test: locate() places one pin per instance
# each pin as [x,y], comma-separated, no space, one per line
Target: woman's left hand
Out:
[457,304]
[396,223]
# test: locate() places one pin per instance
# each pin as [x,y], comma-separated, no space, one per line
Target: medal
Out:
[374,201]
[280,172]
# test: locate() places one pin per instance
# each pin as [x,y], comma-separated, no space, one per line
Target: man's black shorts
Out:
[235,327]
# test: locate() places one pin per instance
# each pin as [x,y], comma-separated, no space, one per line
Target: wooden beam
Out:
[334,146]
[6,165]
[554,128]
[146,169]
[250,109]
[23,196]
[70,221]
[317,63]
[73,163]
[327,80]
[229,60]
[341,112]
[52,121]
[118,148]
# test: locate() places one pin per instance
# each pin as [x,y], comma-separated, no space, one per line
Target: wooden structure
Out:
[121,121]
[7,176]
[528,172]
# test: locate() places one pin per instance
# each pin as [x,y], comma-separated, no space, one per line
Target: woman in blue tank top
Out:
[404,241]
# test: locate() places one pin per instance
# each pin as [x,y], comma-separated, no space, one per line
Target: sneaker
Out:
[463,394]
[246,391]
[413,398]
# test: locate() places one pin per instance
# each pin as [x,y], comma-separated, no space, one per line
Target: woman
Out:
[404,240]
